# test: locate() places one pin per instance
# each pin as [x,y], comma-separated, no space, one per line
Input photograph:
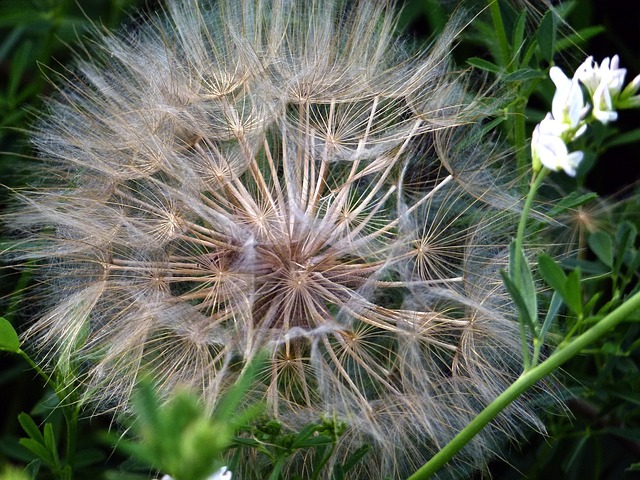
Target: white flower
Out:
[607,73]
[568,105]
[222,474]
[603,105]
[604,82]
[549,149]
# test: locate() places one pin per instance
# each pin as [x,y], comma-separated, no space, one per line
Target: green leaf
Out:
[32,469]
[602,246]
[624,138]
[9,340]
[518,300]
[518,31]
[90,456]
[38,449]
[547,36]
[573,200]
[578,38]
[568,286]
[593,301]
[306,432]
[556,302]
[30,427]
[355,457]
[524,280]
[233,398]
[491,125]
[634,263]
[573,292]
[484,65]
[524,74]
[19,60]
[587,266]
[314,442]
[625,240]
[551,272]
[50,443]
[9,42]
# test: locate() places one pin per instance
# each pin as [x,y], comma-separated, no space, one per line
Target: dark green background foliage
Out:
[599,439]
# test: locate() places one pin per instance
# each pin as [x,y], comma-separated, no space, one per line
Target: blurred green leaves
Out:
[179,437]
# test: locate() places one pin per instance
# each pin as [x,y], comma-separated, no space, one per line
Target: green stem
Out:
[48,380]
[525,381]
[522,160]
[71,418]
[536,180]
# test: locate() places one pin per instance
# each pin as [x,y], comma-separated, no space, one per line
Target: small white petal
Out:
[567,105]
[572,162]
[602,105]
[558,77]
[615,61]
[222,474]
[588,75]
[634,86]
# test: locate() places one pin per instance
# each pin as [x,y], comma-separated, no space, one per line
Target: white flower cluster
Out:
[222,474]
[568,117]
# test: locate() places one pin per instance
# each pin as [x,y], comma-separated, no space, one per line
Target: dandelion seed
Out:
[240,176]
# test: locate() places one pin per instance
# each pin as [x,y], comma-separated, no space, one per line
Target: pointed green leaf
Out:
[9,340]
[524,281]
[573,200]
[573,293]
[625,241]
[624,138]
[578,38]
[634,467]
[518,31]
[38,449]
[587,266]
[556,302]
[568,286]
[518,300]
[29,426]
[601,244]
[33,468]
[355,457]
[634,263]
[593,301]
[484,65]
[547,36]
[524,74]
[19,60]
[50,443]
[233,397]
[551,272]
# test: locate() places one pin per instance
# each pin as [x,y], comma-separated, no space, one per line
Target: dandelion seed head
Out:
[236,176]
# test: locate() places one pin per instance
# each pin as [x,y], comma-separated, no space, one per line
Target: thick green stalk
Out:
[525,381]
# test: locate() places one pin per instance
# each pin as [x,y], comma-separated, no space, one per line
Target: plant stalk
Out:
[525,381]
